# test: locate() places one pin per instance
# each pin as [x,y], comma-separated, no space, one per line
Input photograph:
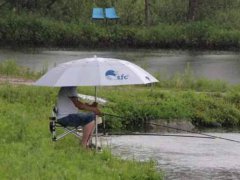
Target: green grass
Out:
[27,151]
[203,109]
[10,68]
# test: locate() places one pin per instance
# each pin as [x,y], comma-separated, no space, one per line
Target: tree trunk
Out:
[192,10]
[3,3]
[50,3]
[147,12]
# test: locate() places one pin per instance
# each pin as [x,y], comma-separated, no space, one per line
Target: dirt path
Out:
[16,81]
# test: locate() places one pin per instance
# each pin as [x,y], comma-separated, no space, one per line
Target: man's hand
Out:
[84,106]
[97,111]
[94,104]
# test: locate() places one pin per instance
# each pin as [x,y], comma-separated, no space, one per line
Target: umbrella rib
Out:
[147,74]
[98,68]
[134,72]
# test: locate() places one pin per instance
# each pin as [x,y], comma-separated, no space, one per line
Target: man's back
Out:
[64,104]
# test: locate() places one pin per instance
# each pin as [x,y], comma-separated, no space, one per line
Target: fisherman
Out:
[68,113]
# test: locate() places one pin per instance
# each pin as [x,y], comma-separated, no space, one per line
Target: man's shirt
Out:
[65,105]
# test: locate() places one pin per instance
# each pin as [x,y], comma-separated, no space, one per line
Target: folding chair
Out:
[97,14]
[54,125]
[111,13]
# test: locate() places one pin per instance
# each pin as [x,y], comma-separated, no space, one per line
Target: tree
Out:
[147,12]
[23,4]
[3,3]
[192,9]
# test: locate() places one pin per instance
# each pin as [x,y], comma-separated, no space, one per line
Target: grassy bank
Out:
[35,30]
[204,102]
[27,151]
[203,109]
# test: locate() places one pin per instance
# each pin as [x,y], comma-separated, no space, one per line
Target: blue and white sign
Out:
[115,75]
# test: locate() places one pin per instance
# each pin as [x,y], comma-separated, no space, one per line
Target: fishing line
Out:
[179,129]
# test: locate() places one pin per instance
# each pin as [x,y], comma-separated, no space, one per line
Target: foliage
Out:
[132,12]
[203,109]
[213,111]
[69,24]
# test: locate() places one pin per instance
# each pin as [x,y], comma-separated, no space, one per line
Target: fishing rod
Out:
[157,134]
[179,129]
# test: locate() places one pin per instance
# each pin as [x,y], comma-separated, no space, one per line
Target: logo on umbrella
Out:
[114,75]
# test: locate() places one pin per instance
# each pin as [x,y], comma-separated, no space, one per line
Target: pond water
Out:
[183,158]
[220,65]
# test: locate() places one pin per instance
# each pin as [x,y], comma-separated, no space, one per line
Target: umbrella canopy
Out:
[95,71]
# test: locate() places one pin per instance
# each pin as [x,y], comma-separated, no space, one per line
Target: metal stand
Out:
[96,124]
[68,130]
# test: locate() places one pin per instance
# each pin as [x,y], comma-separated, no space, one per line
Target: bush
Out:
[35,30]
[212,112]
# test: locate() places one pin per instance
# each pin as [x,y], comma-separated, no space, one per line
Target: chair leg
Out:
[52,127]
[68,130]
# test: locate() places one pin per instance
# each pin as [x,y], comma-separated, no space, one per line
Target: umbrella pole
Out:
[96,125]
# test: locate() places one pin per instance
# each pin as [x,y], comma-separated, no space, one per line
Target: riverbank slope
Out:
[203,103]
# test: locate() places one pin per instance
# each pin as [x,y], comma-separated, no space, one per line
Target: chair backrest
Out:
[111,13]
[97,13]
[54,114]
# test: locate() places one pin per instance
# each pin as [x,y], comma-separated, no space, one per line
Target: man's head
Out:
[69,87]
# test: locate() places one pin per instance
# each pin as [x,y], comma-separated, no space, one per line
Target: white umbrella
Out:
[95,71]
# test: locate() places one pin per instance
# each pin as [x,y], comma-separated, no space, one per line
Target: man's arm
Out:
[85,106]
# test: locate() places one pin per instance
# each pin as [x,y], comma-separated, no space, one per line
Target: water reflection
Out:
[184,158]
[210,64]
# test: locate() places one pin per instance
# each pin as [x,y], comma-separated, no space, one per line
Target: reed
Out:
[187,81]
[10,68]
